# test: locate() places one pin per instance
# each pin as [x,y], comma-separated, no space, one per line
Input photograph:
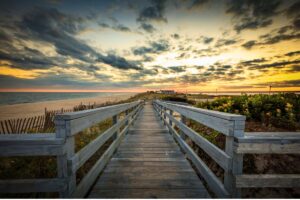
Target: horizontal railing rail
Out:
[268,143]
[237,143]
[62,145]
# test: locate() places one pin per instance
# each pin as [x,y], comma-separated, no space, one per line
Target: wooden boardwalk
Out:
[148,164]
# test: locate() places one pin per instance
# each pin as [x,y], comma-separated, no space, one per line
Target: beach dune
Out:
[38,108]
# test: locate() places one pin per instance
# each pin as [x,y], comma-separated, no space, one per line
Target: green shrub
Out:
[280,110]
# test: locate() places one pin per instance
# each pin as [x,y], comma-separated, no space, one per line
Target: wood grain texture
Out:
[268,180]
[148,164]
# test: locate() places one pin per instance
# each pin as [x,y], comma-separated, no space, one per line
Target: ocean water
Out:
[8,98]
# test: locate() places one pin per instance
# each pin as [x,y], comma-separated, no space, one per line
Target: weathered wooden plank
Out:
[31,150]
[148,155]
[32,185]
[115,109]
[30,139]
[150,193]
[154,183]
[149,175]
[123,169]
[148,144]
[267,148]
[165,165]
[222,122]
[78,121]
[222,115]
[213,151]
[268,180]
[149,159]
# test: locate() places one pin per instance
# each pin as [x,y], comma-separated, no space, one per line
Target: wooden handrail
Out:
[237,144]
[61,144]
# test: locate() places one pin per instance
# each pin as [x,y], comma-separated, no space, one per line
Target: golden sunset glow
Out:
[182,45]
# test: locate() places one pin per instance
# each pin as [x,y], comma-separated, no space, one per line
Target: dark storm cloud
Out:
[122,28]
[294,68]
[293,53]
[147,27]
[154,48]
[59,29]
[119,62]
[154,12]
[273,39]
[175,36]
[225,42]
[275,36]
[252,14]
[116,27]
[254,61]
[207,40]
[290,83]
[252,25]
[273,65]
[293,10]
[178,69]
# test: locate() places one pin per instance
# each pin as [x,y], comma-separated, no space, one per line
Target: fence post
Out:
[64,166]
[237,159]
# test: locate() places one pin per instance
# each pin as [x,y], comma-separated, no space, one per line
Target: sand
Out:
[38,108]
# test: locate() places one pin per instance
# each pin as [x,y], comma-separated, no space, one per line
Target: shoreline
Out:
[23,110]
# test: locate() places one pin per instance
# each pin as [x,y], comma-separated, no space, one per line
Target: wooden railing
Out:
[62,145]
[237,144]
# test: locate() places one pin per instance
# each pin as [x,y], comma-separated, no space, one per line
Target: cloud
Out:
[254,61]
[119,62]
[225,42]
[154,48]
[252,24]
[293,10]
[280,64]
[252,14]
[205,39]
[197,4]
[178,69]
[147,27]
[175,36]
[292,53]
[154,12]
[288,83]
[272,38]
[116,27]
[52,26]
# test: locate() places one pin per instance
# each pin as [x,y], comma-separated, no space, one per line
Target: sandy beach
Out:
[38,108]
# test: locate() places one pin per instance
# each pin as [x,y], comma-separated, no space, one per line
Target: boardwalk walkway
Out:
[148,164]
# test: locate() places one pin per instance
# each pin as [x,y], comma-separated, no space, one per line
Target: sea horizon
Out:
[11,98]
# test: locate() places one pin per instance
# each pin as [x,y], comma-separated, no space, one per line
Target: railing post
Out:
[64,167]
[237,159]
[182,120]
[115,121]
[126,113]
[165,117]
[170,121]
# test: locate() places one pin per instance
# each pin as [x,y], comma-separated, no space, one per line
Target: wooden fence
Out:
[237,144]
[62,145]
[41,123]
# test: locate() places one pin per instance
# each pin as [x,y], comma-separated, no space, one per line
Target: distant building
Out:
[167,92]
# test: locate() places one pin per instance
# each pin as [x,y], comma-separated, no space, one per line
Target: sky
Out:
[141,45]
